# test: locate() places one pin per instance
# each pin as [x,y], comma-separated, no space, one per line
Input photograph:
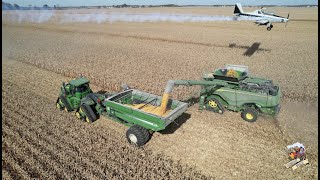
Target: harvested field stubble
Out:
[56,145]
[39,141]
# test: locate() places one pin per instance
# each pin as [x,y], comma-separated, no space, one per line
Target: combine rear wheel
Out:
[90,116]
[137,135]
[249,114]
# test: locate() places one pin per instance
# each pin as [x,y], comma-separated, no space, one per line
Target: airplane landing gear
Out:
[270,27]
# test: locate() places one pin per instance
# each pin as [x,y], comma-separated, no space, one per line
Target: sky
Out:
[51,3]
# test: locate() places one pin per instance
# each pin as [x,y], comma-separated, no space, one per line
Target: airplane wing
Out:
[262,21]
[269,13]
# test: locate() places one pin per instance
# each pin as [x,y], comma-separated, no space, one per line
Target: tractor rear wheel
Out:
[90,115]
[137,135]
[213,104]
[250,114]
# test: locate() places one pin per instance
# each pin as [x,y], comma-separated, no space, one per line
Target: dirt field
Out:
[40,141]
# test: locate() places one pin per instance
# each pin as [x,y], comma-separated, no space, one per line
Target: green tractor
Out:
[70,94]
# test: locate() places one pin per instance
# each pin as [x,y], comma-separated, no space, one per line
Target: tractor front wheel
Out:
[137,135]
[65,103]
[250,114]
[58,105]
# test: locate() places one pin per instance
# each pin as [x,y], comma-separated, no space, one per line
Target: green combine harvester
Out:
[227,88]
[231,88]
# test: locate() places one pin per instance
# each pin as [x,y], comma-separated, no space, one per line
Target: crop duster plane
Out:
[262,18]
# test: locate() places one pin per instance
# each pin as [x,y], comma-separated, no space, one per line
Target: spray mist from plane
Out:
[42,16]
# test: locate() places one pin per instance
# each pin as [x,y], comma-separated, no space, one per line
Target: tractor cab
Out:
[79,87]
[71,93]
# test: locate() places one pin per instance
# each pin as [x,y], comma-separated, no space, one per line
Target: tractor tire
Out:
[78,114]
[137,135]
[90,115]
[250,114]
[58,104]
[214,105]
[65,103]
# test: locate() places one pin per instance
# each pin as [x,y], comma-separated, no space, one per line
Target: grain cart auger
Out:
[231,88]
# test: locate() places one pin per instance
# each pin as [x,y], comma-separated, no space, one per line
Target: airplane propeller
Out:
[288,19]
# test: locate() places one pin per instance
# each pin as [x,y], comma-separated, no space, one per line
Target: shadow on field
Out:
[192,101]
[250,49]
[171,128]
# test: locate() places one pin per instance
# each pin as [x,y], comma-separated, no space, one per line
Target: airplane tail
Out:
[237,9]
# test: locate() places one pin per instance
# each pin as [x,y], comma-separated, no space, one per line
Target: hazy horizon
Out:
[39,3]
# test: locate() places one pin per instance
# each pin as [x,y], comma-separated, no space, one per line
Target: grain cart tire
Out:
[137,135]
[65,103]
[213,104]
[250,114]
[90,115]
